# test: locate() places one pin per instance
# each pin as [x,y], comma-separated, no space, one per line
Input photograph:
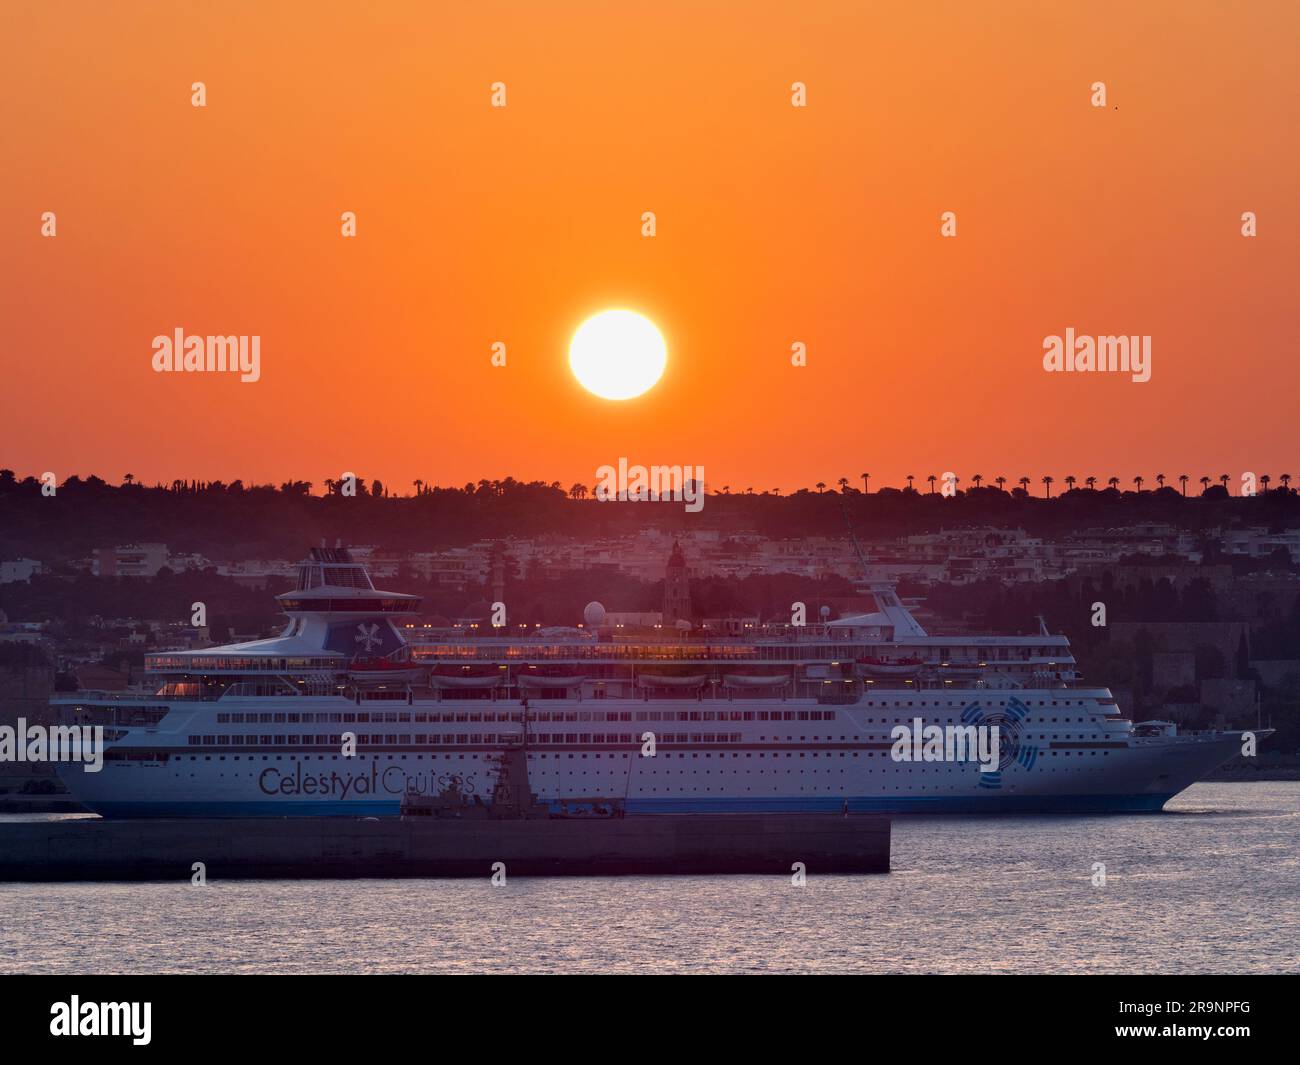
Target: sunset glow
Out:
[775,225]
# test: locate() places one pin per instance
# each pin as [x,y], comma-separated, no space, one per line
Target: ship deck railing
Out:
[517,655]
[92,695]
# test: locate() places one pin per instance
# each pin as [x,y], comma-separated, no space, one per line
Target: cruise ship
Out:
[355,706]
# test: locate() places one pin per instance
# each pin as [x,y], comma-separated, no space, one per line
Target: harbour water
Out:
[1210,886]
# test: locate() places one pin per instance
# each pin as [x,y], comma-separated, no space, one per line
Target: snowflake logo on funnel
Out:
[368,636]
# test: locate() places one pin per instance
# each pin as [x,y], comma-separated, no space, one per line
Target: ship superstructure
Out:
[355,705]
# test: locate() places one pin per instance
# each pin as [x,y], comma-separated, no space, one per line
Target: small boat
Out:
[672,680]
[549,677]
[755,680]
[889,667]
[382,671]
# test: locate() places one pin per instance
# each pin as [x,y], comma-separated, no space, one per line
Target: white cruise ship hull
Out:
[1072,766]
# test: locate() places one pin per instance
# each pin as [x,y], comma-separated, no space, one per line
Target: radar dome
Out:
[594,615]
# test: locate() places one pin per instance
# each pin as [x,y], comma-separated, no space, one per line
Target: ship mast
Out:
[853,538]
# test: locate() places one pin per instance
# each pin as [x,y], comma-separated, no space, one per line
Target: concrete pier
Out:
[318,847]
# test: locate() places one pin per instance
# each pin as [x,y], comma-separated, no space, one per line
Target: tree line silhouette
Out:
[232,520]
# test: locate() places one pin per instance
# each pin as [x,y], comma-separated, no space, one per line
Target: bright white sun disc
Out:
[617,354]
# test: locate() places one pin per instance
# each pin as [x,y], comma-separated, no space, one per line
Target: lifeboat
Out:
[382,671]
[889,667]
[755,680]
[465,677]
[672,680]
[549,677]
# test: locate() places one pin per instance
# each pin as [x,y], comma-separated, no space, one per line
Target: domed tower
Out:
[677,588]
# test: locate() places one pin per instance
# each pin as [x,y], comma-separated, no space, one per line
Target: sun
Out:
[617,354]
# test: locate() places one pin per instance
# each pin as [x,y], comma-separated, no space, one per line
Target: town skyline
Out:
[930,483]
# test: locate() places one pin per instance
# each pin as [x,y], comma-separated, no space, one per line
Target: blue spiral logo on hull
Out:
[1011,751]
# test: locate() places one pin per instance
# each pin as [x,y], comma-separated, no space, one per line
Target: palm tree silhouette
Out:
[419,486]
[866,482]
[1047,485]
[1024,483]
[1070,481]
[1205,483]
[1160,480]
[1112,482]
[931,479]
[1264,479]
[977,478]
[1223,480]
[1183,479]
[1091,482]
[843,482]
[1000,482]
[1138,481]
[910,478]
[821,487]
[1286,482]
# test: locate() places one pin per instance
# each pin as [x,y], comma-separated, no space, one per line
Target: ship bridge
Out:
[337,619]
[330,582]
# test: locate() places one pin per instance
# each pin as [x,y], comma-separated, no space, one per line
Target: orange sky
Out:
[776,224]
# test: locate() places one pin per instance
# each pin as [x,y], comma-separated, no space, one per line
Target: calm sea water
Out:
[1212,885]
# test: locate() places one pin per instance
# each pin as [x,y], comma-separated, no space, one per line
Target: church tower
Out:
[677,589]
